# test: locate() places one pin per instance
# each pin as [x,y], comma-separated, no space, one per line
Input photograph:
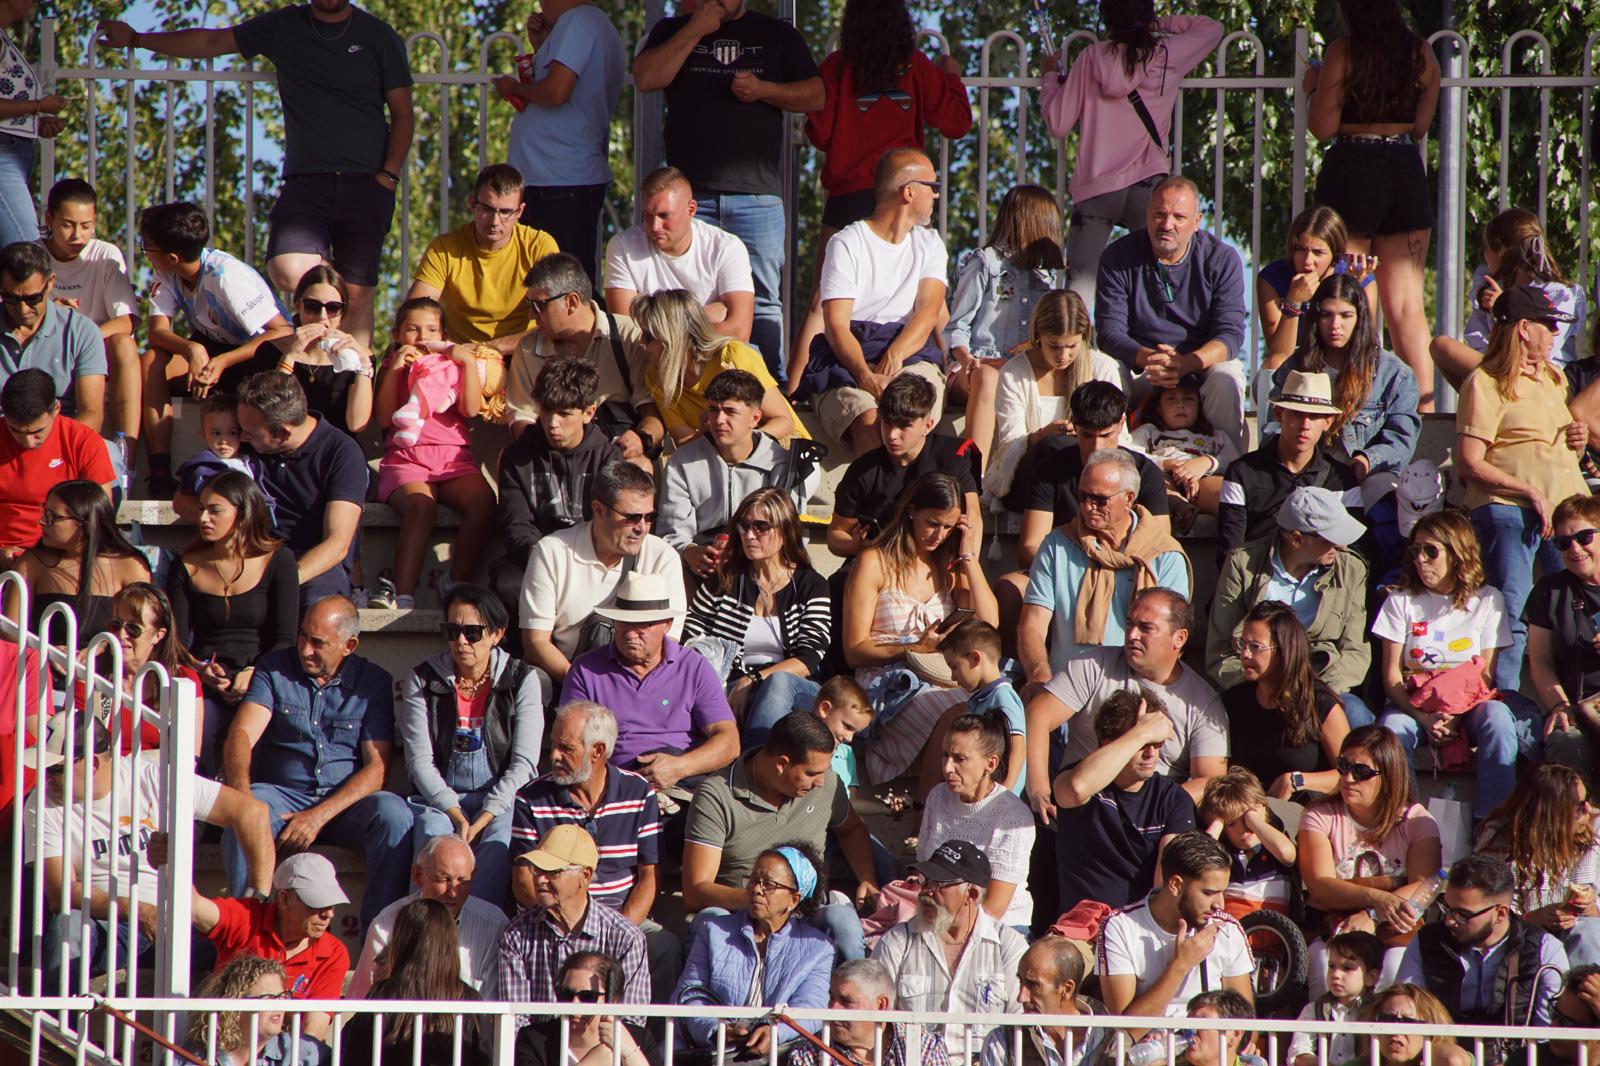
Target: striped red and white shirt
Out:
[625,825]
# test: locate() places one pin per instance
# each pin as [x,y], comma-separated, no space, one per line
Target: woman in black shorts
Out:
[1374,95]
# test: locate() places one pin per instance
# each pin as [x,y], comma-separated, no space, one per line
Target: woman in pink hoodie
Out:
[1121,92]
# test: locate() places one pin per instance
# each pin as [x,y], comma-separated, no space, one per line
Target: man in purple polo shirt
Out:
[673,721]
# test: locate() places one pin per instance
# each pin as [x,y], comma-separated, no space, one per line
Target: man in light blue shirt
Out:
[1087,570]
[560,136]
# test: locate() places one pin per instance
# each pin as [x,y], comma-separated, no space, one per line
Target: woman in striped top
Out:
[767,602]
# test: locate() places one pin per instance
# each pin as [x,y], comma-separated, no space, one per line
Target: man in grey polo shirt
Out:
[35,331]
[783,793]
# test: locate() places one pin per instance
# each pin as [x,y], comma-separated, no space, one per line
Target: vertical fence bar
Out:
[46,73]
[1450,253]
[1302,113]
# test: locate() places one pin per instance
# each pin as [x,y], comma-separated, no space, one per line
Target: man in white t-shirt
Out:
[1157,955]
[573,571]
[1158,629]
[92,278]
[883,284]
[114,866]
[671,249]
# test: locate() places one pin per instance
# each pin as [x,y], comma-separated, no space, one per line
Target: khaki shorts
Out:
[837,409]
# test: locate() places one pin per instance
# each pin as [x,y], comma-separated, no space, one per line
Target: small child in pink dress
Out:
[426,393]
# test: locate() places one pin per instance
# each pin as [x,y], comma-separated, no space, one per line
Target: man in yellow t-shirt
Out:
[476,271]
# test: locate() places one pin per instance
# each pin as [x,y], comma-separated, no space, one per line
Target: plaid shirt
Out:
[533,947]
[894,1053]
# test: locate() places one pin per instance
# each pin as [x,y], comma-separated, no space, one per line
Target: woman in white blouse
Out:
[25,116]
[971,804]
[1035,385]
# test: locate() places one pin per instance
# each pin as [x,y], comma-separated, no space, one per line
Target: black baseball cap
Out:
[955,860]
[1528,303]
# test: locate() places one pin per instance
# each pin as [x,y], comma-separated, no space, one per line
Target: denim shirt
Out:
[993,303]
[313,740]
[722,962]
[1386,428]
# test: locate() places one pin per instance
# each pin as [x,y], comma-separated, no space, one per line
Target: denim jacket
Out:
[313,740]
[722,962]
[1386,429]
[994,303]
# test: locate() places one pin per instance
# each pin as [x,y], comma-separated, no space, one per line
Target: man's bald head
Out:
[896,168]
[328,633]
[338,613]
[443,871]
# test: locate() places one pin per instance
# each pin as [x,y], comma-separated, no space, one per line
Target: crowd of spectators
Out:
[646,686]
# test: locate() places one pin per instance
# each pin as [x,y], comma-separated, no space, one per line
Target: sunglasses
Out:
[933,185]
[1357,770]
[1095,498]
[14,299]
[1584,537]
[645,517]
[134,629]
[915,880]
[579,995]
[537,307]
[756,526]
[1429,552]
[1396,1019]
[454,632]
[1457,916]
[316,307]
[1254,647]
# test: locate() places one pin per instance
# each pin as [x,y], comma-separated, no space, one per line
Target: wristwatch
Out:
[391,175]
[1297,780]
[254,893]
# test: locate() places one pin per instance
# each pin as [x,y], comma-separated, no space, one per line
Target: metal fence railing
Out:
[1011,94]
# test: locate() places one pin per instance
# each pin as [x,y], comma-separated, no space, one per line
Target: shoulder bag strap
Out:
[622,362]
[1145,117]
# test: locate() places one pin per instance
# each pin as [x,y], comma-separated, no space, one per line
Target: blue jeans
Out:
[1497,735]
[19,216]
[1356,711]
[1583,943]
[838,920]
[378,825]
[757,221]
[63,932]
[492,849]
[773,699]
[1511,540]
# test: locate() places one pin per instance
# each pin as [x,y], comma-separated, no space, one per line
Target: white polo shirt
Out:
[565,581]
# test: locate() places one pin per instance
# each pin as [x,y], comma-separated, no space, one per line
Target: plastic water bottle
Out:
[1419,903]
[1152,1051]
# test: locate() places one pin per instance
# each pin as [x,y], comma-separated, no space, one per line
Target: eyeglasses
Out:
[454,632]
[1097,499]
[536,307]
[756,526]
[14,299]
[273,995]
[767,884]
[1457,916]
[553,874]
[916,880]
[1396,1019]
[579,995]
[1357,770]
[118,625]
[1254,647]
[50,518]
[933,185]
[505,214]
[645,517]
[1584,537]
[317,307]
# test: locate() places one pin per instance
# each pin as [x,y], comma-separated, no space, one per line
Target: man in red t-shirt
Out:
[38,451]
[292,928]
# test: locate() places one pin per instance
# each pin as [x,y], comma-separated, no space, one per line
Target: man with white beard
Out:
[954,955]
[618,809]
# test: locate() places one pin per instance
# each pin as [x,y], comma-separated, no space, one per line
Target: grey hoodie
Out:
[700,492]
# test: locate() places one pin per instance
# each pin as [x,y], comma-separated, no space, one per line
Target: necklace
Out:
[344,29]
[469,687]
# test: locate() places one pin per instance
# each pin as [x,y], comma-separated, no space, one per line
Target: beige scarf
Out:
[1148,540]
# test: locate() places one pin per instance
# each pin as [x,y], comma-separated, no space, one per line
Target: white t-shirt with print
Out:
[98,280]
[1132,943]
[139,774]
[1433,634]
[881,278]
[1200,726]
[716,263]
[1000,825]
[230,301]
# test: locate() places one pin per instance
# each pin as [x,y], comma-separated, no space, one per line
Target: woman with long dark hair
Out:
[1284,725]
[1122,146]
[333,368]
[235,595]
[1377,427]
[1367,847]
[1545,830]
[422,961]
[1441,616]
[1374,96]
[82,559]
[767,606]
[881,94]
